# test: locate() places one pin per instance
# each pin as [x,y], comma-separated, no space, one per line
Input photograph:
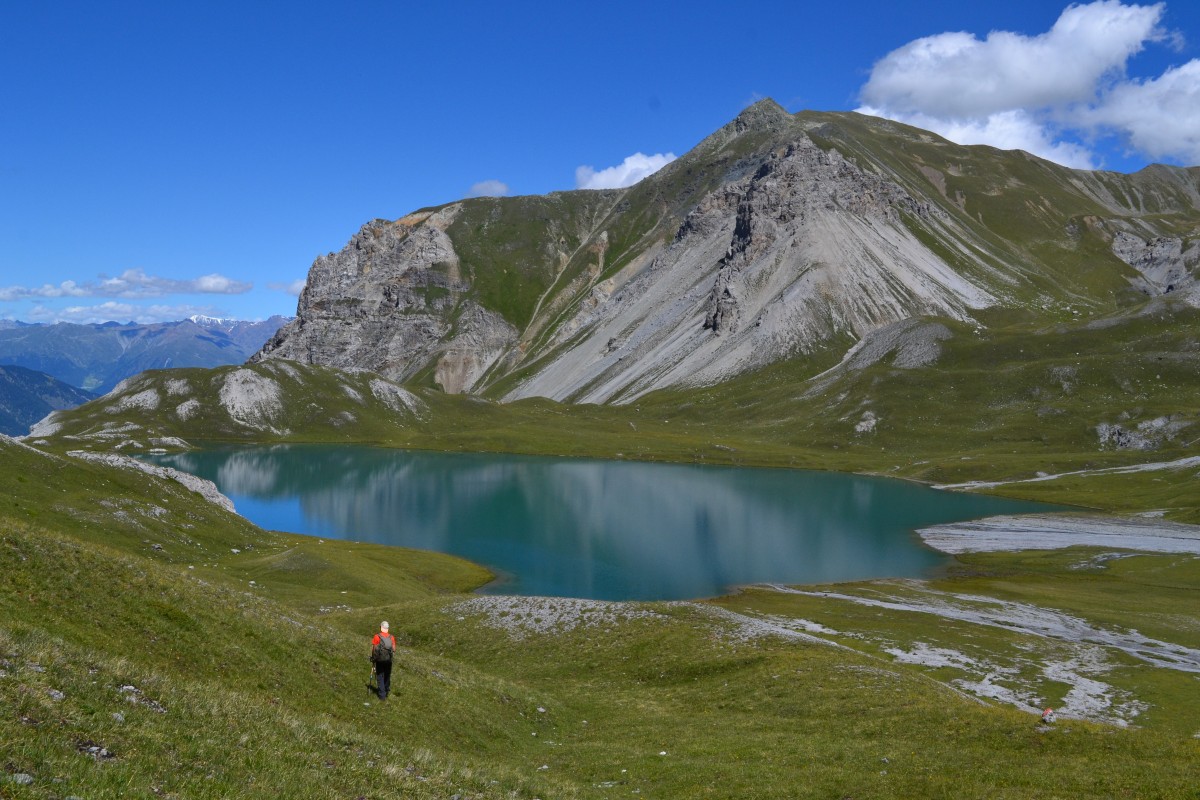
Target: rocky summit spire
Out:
[765,115]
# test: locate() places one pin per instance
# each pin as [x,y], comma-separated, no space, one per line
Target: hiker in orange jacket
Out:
[383,647]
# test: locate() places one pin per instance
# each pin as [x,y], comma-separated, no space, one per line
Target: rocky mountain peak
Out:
[788,191]
[764,115]
[777,235]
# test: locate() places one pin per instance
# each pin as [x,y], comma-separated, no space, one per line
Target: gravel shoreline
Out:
[1052,531]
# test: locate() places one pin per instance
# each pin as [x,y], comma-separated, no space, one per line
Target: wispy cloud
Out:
[490,188]
[1051,93]
[294,288]
[114,311]
[130,284]
[627,173]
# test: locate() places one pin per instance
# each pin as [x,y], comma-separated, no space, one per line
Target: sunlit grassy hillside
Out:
[152,644]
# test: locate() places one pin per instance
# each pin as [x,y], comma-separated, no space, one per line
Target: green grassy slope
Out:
[1046,225]
[152,644]
[129,670]
[513,249]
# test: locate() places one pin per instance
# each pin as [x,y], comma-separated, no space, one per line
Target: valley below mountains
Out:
[813,290]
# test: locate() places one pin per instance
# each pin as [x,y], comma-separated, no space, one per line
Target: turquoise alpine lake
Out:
[610,530]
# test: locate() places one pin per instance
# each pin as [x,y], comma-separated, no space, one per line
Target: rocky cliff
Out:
[392,301]
[777,235]
[1163,264]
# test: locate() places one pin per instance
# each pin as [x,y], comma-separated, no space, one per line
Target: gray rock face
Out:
[1147,435]
[808,247]
[1164,266]
[805,247]
[785,193]
[392,301]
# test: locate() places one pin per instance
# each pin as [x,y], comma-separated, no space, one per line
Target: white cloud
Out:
[114,311]
[132,283]
[294,288]
[489,188]
[954,75]
[1048,94]
[218,284]
[627,173]
[1160,117]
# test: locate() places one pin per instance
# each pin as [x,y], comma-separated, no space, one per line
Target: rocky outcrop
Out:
[1164,266]
[483,337]
[393,301]
[206,489]
[250,399]
[1146,435]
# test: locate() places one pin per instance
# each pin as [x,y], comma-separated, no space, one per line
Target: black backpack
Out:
[382,652]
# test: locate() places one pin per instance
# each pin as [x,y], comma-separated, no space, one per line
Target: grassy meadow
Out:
[153,645]
[141,656]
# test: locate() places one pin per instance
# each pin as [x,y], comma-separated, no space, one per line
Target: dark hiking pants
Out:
[383,676]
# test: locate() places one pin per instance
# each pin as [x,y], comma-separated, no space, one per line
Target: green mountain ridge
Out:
[779,235]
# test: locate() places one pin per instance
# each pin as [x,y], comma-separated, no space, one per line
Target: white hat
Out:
[383,625]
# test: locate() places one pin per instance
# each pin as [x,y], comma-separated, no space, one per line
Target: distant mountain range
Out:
[97,357]
[26,396]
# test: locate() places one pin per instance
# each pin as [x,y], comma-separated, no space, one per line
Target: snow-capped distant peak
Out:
[201,319]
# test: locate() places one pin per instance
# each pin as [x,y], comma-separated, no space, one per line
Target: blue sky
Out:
[163,159]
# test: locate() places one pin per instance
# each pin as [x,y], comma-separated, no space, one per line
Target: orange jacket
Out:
[377,639]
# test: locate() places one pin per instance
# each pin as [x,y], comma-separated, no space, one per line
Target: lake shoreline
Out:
[1013,533]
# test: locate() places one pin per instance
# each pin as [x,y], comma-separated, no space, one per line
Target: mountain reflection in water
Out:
[596,529]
